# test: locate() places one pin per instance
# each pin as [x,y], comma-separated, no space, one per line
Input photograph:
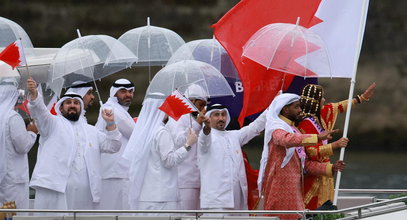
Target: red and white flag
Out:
[176,105]
[13,54]
[341,27]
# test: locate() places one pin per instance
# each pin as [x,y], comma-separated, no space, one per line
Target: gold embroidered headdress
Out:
[310,99]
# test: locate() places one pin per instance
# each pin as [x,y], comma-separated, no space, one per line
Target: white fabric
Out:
[49,199]
[8,99]
[208,114]
[188,170]
[342,27]
[195,91]
[114,166]
[14,186]
[158,206]
[274,122]
[189,198]
[161,179]
[115,194]
[221,163]
[58,149]
[139,146]
[80,91]
[113,90]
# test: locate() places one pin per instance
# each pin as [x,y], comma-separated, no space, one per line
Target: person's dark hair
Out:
[310,99]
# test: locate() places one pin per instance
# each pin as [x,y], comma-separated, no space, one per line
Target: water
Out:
[364,170]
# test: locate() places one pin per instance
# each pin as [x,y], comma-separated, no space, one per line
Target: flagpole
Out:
[362,20]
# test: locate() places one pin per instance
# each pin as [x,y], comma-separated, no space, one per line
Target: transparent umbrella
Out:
[10,32]
[152,45]
[86,59]
[209,51]
[289,48]
[182,74]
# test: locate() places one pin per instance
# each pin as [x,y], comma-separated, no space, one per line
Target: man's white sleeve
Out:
[253,129]
[204,142]
[44,120]
[110,141]
[169,156]
[21,139]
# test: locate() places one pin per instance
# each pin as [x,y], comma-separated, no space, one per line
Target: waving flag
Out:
[13,54]
[339,28]
[239,24]
[177,105]
[336,22]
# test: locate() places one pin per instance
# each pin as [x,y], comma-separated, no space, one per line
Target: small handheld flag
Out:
[177,105]
[13,54]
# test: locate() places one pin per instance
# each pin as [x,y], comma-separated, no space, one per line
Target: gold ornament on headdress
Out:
[310,99]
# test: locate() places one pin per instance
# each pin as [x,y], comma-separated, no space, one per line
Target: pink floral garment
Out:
[282,187]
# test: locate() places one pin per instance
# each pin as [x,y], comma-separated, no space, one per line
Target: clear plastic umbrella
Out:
[289,48]
[10,32]
[152,45]
[86,59]
[182,74]
[209,51]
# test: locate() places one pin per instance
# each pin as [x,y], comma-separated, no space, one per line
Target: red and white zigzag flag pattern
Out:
[13,54]
[177,105]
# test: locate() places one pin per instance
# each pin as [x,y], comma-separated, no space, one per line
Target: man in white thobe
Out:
[15,142]
[160,186]
[115,168]
[67,172]
[189,181]
[223,176]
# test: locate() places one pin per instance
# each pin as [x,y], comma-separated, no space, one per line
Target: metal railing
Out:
[199,213]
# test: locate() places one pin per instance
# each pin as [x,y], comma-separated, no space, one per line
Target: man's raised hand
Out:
[32,88]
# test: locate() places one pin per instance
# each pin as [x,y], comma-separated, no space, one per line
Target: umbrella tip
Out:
[298,21]
[78,32]
[148,21]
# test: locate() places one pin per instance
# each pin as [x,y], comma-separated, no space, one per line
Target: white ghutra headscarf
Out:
[8,99]
[139,146]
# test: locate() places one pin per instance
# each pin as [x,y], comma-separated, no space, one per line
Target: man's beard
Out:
[123,103]
[72,116]
[295,118]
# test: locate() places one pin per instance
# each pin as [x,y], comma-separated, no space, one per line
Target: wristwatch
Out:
[187,147]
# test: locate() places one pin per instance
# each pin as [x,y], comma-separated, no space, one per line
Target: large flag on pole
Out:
[239,24]
[13,54]
[339,29]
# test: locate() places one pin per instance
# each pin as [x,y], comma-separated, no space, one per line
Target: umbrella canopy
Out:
[152,45]
[182,74]
[86,59]
[208,51]
[289,48]
[10,32]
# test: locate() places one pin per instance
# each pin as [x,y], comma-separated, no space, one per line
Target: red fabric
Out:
[52,110]
[174,107]
[253,191]
[11,55]
[23,107]
[239,24]
[328,116]
[135,119]
[282,187]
